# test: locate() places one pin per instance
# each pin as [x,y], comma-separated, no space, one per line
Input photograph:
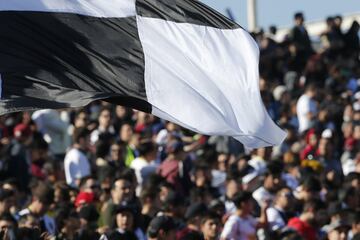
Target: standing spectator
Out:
[173,169]
[300,39]
[54,130]
[305,223]
[144,165]
[105,126]
[76,163]
[279,214]
[17,159]
[272,182]
[242,225]
[306,109]
[42,198]
[121,194]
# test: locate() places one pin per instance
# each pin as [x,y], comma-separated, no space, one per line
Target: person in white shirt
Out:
[306,108]
[53,125]
[278,215]
[76,164]
[145,164]
[242,225]
[105,126]
[271,184]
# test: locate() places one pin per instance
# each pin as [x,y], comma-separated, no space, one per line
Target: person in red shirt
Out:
[305,223]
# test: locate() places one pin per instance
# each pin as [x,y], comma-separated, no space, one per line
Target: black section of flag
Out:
[65,57]
[184,11]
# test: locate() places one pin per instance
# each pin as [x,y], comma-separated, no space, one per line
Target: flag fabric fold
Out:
[179,60]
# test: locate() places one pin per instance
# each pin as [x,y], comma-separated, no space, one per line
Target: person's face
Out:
[81,120]
[210,228]
[126,133]
[117,152]
[285,198]
[232,187]
[92,186]
[122,191]
[104,118]
[201,178]
[248,206]
[120,111]
[299,20]
[222,162]
[164,192]
[125,221]
[272,182]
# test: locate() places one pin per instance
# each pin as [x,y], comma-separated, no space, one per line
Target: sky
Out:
[280,12]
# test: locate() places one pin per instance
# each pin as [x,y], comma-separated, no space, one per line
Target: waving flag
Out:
[177,59]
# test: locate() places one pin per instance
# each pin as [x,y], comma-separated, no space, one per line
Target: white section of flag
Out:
[206,79]
[94,8]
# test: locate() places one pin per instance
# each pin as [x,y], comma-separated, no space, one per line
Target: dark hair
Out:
[210,215]
[39,143]
[83,180]
[102,149]
[241,197]
[43,193]
[119,178]
[151,193]
[298,15]
[313,204]
[80,133]
[8,217]
[145,147]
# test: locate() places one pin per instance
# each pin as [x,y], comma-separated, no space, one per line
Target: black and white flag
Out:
[177,59]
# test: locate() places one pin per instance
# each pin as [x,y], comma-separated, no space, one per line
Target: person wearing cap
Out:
[242,225]
[162,228]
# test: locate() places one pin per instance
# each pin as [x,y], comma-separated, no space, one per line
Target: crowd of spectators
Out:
[109,172]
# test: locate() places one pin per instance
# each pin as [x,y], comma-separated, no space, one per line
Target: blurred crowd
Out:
[109,172]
